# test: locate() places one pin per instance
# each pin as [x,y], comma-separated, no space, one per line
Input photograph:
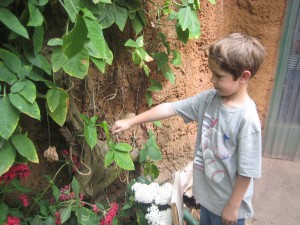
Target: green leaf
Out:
[123,160]
[212,1]
[96,37]
[164,41]
[36,18]
[9,117]
[4,209]
[137,24]
[168,73]
[18,187]
[12,22]
[143,155]
[44,207]
[52,97]
[42,2]
[65,214]
[30,109]
[38,39]
[7,157]
[152,148]
[25,70]
[140,41]
[141,219]
[60,113]
[131,5]
[75,186]
[136,57]
[99,63]
[194,26]
[90,134]
[146,69]
[176,61]
[58,59]
[162,59]
[55,192]
[87,216]
[39,61]
[6,75]
[29,90]
[55,42]
[149,98]
[183,36]
[153,171]
[73,42]
[5,3]
[123,147]
[36,74]
[25,147]
[184,16]
[155,86]
[49,221]
[107,16]
[109,158]
[131,43]
[121,16]
[72,7]
[12,61]
[78,65]
[105,127]
[157,123]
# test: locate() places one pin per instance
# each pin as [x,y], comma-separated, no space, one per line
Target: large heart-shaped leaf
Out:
[72,7]
[121,16]
[7,157]
[73,42]
[9,117]
[28,89]
[30,109]
[194,26]
[184,16]
[25,147]
[53,96]
[78,65]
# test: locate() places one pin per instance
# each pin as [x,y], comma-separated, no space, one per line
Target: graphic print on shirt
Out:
[212,149]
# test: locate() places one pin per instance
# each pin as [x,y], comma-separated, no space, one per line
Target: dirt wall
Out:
[262,19]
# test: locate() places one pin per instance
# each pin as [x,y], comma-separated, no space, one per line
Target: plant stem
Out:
[49,185]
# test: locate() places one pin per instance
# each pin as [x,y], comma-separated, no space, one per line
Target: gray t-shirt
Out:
[228,143]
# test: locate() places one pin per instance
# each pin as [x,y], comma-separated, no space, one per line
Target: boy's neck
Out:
[238,99]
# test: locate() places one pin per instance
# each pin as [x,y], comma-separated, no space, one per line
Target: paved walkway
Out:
[276,198]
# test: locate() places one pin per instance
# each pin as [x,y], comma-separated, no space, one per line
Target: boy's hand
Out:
[230,215]
[119,126]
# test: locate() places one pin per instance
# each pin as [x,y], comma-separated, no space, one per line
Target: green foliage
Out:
[28,79]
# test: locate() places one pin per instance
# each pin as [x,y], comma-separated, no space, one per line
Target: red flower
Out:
[24,200]
[12,220]
[16,171]
[57,220]
[108,218]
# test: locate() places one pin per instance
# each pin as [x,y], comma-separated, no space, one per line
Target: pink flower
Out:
[65,153]
[95,208]
[24,200]
[109,216]
[66,193]
[12,220]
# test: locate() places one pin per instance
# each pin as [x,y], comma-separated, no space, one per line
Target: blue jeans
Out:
[209,218]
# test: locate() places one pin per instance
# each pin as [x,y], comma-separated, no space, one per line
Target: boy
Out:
[228,147]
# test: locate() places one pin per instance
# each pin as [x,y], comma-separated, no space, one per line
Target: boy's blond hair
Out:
[236,53]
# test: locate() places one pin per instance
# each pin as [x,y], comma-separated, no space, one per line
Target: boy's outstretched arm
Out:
[230,212]
[159,112]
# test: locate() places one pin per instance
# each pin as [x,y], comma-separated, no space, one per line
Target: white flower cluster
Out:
[156,217]
[153,192]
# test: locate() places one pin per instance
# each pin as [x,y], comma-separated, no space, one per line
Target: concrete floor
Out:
[276,198]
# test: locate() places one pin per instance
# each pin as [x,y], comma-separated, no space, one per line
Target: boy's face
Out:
[223,81]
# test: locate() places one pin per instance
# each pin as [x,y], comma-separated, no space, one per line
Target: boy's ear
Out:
[246,75]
